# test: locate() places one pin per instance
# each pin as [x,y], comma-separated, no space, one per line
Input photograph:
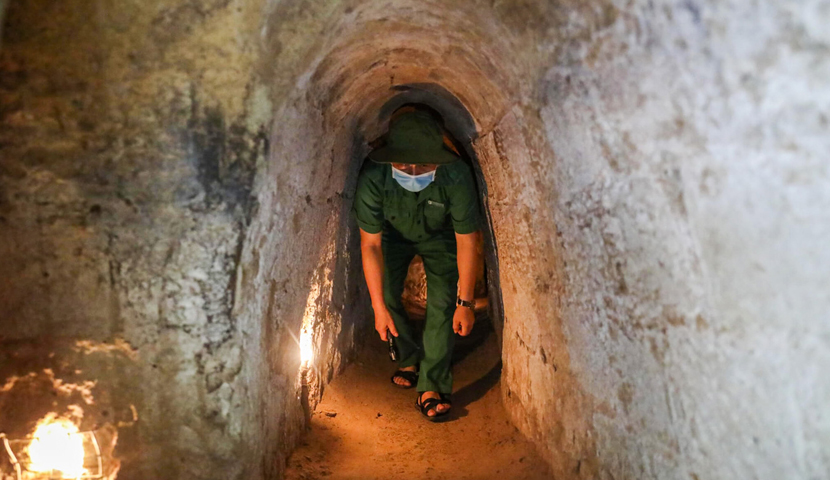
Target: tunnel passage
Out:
[338,106]
[345,440]
[174,197]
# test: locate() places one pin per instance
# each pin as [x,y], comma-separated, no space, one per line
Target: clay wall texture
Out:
[691,147]
[129,146]
[175,184]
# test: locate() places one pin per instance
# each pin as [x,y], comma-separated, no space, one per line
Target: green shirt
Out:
[449,204]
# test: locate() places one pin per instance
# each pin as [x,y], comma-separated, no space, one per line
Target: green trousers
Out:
[434,350]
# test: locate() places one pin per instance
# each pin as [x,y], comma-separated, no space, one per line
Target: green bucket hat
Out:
[416,138]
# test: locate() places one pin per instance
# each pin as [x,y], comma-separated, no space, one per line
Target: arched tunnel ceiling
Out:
[371,57]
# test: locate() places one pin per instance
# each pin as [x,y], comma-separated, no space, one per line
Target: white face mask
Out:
[413,183]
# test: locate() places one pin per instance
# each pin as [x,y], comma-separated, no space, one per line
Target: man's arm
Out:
[368,208]
[468,261]
[465,220]
[372,253]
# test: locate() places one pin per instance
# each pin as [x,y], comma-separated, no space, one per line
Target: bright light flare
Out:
[309,319]
[306,346]
[57,447]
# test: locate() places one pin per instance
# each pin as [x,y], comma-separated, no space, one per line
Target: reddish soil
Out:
[365,428]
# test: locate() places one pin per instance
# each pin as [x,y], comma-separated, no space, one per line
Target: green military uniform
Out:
[422,223]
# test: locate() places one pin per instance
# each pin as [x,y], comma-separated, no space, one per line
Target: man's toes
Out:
[402,381]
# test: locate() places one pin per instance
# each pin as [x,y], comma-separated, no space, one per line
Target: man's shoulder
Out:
[371,179]
[372,171]
[458,172]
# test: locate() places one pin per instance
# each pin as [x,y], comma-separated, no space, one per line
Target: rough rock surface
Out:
[176,176]
[131,134]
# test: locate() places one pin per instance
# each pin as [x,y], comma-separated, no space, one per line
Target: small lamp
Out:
[55,451]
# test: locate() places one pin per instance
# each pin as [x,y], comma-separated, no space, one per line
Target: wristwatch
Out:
[471,304]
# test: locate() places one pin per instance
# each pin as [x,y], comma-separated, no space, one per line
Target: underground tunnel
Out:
[181,294]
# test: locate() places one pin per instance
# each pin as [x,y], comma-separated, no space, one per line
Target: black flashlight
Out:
[393,350]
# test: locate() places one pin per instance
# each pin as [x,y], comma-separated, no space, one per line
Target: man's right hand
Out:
[384,323]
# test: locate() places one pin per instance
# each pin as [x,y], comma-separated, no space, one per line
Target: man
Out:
[416,197]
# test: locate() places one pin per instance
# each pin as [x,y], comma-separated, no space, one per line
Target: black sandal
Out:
[432,404]
[411,377]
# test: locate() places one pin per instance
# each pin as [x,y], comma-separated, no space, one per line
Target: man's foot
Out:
[405,381]
[434,408]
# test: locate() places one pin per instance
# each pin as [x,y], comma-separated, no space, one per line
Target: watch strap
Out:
[471,304]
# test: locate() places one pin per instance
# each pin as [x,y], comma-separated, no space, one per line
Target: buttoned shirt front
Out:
[448,205]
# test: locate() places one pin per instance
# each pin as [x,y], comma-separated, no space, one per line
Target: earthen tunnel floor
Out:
[365,428]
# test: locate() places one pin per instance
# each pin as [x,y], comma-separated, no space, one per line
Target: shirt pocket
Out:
[435,214]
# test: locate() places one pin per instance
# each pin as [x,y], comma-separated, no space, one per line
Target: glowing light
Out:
[57,448]
[306,347]
[309,319]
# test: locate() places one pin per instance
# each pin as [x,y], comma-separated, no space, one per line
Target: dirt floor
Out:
[365,428]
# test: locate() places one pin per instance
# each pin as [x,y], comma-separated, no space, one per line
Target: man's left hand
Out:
[463,320]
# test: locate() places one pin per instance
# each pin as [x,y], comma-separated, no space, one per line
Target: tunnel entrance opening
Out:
[461,128]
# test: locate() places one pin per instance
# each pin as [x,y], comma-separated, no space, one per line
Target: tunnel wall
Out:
[653,244]
[163,240]
[131,134]
[175,189]
[688,138]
